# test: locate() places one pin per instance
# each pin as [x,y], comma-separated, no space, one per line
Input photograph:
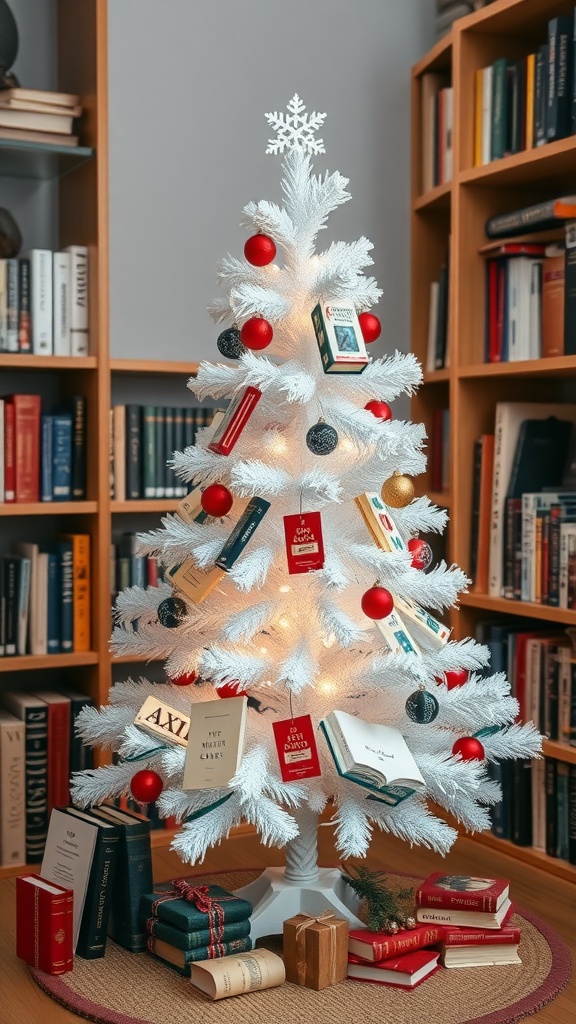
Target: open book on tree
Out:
[372,755]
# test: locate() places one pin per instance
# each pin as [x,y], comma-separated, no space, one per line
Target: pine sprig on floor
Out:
[384,910]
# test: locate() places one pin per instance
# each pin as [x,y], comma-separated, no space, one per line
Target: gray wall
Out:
[190,81]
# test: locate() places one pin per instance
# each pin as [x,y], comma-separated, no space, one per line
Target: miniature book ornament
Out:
[215,742]
[339,337]
[163,722]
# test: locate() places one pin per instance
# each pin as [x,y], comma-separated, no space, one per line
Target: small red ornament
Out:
[469,748]
[377,603]
[230,689]
[260,250]
[456,677]
[184,680]
[370,327]
[216,500]
[256,333]
[381,410]
[146,786]
[421,553]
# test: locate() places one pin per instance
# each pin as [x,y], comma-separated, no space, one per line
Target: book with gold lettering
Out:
[215,742]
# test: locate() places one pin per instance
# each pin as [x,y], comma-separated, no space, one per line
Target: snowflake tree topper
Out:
[295,130]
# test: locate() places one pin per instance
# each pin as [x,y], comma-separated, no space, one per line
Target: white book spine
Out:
[12,792]
[41,301]
[79,279]
[486,115]
[432,325]
[535,311]
[2,490]
[79,343]
[119,414]
[513,305]
[61,303]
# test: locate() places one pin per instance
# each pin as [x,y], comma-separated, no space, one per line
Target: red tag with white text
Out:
[297,750]
[304,542]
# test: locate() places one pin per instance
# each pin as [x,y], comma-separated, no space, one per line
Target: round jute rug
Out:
[124,988]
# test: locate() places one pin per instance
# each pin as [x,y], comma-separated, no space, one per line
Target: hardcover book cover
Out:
[34,713]
[195,582]
[405,971]
[68,859]
[181,959]
[215,742]
[132,878]
[379,521]
[12,805]
[462,892]
[91,943]
[195,939]
[374,946]
[339,337]
[44,913]
[168,904]
[242,533]
[234,420]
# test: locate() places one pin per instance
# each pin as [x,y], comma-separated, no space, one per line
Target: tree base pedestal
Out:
[275,898]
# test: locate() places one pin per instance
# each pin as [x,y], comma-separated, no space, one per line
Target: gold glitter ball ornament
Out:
[398,490]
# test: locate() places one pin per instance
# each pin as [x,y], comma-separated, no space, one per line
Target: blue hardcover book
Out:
[66,595]
[62,456]
[562,810]
[500,812]
[46,458]
[54,604]
[559,79]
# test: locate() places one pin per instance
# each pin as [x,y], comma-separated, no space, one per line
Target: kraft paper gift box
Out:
[315,950]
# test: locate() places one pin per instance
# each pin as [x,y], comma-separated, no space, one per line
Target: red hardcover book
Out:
[44,924]
[462,892]
[373,946]
[235,419]
[26,445]
[151,572]
[406,971]
[9,453]
[480,936]
[58,748]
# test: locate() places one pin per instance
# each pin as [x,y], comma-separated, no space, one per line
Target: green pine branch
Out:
[382,903]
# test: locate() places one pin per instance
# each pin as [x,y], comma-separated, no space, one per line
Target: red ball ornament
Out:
[231,689]
[216,500]
[256,333]
[421,553]
[260,250]
[377,603]
[469,749]
[370,327]
[146,786]
[456,677]
[381,410]
[184,680]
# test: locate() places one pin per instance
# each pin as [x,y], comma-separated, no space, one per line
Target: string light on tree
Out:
[398,490]
[146,786]
[260,250]
[256,333]
[216,500]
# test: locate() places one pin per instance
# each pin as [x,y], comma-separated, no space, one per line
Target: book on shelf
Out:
[406,971]
[33,712]
[46,138]
[44,916]
[215,743]
[373,947]
[44,455]
[59,725]
[550,213]
[481,505]
[372,755]
[12,790]
[28,99]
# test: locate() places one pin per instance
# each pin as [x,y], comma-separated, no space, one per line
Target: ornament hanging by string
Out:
[381,410]
[370,327]
[322,438]
[398,490]
[186,679]
[468,748]
[216,500]
[146,786]
[304,542]
[453,677]
[256,333]
[171,612]
[229,343]
[260,250]
[421,552]
[377,603]
[422,706]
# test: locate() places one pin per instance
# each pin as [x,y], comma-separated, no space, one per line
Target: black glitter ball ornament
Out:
[171,612]
[422,707]
[229,343]
[322,439]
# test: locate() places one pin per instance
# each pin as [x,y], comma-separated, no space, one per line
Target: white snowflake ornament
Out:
[295,130]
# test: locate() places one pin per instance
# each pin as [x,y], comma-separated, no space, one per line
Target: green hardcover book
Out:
[149,450]
[132,878]
[194,940]
[499,134]
[184,914]
[181,959]
[160,425]
[94,925]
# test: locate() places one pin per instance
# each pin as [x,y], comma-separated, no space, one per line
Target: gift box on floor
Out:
[316,950]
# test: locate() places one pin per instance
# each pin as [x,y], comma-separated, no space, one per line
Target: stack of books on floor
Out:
[39,115]
[181,932]
[405,959]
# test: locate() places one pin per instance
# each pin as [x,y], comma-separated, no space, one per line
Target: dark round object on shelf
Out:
[422,707]
[171,612]
[229,343]
[10,237]
[321,438]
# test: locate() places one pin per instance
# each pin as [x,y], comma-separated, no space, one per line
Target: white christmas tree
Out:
[299,643]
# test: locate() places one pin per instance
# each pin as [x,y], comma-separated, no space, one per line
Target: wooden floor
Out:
[21,1002]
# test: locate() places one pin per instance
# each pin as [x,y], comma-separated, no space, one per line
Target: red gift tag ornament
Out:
[304,542]
[297,750]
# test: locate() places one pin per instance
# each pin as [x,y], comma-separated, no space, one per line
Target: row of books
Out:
[44,302]
[440,450]
[523,530]
[45,598]
[437,111]
[39,115]
[438,352]
[128,569]
[142,440]
[42,456]
[527,102]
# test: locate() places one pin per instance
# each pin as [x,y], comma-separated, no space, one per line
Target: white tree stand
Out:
[280,893]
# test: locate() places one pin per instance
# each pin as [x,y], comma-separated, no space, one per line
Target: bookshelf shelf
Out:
[436,376]
[561,751]
[520,608]
[554,160]
[39,160]
[176,369]
[20,361]
[136,659]
[438,58]
[437,198]
[559,366]
[527,854]
[441,498]
[49,508]
[25,662]
[144,505]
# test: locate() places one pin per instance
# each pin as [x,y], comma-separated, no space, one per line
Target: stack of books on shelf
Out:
[128,569]
[39,749]
[438,349]
[143,439]
[42,456]
[528,101]
[44,302]
[437,99]
[39,115]
[180,934]
[45,598]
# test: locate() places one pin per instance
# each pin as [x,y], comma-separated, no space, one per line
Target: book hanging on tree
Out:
[339,337]
[215,742]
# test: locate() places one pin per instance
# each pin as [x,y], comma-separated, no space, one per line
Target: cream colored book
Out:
[164,722]
[215,742]
[235,975]
[12,791]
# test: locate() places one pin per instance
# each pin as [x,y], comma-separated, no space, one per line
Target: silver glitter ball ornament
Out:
[171,612]
[229,343]
[322,439]
[411,923]
[422,707]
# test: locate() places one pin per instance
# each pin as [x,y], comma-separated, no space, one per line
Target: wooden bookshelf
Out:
[453,215]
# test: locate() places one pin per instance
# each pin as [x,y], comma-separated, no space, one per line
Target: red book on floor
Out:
[44,924]
[373,946]
[462,892]
[406,971]
[480,936]
[26,411]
